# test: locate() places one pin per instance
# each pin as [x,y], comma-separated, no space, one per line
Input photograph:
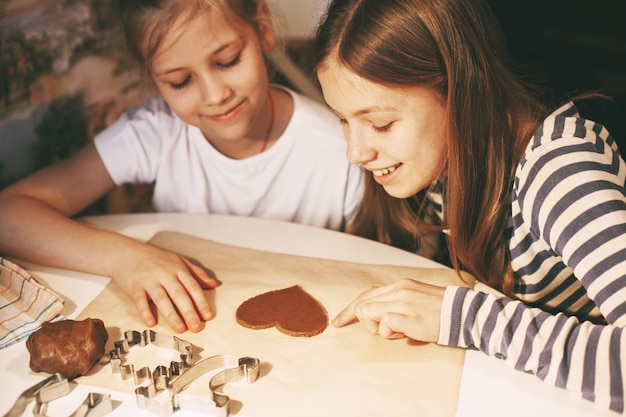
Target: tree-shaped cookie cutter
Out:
[216,403]
[161,375]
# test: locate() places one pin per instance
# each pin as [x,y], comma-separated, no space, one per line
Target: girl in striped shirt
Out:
[531,201]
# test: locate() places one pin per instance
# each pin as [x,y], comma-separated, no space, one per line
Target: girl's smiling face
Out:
[211,71]
[398,134]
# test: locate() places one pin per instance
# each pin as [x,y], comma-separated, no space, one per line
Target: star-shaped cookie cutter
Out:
[216,403]
[161,374]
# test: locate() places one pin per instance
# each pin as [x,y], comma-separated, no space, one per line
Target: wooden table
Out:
[487,387]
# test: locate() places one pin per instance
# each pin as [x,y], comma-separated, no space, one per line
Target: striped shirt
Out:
[567,240]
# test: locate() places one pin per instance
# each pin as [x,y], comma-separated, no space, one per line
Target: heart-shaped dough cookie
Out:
[292,310]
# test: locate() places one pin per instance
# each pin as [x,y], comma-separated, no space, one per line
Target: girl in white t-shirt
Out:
[219,139]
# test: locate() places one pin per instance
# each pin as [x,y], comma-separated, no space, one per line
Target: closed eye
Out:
[383,129]
[181,85]
[231,63]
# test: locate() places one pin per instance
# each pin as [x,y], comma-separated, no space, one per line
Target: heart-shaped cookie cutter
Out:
[216,404]
[161,374]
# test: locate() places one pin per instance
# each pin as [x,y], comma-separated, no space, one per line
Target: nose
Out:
[214,90]
[359,150]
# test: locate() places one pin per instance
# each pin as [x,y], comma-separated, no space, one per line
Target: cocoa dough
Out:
[68,347]
[292,310]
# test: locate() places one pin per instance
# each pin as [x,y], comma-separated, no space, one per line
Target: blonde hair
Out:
[147,22]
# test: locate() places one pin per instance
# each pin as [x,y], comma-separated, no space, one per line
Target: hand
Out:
[406,308]
[171,282]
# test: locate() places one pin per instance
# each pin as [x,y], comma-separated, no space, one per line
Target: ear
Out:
[264,27]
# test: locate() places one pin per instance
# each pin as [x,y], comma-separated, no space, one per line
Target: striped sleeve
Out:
[577,356]
[572,197]
[570,191]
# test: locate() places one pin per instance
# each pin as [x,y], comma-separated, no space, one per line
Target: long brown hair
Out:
[456,48]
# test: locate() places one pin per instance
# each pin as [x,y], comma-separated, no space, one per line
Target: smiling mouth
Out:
[385,171]
[227,113]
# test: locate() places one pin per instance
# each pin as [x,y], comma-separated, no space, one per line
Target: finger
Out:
[344,317]
[184,303]
[411,326]
[392,326]
[348,315]
[381,317]
[370,320]
[202,277]
[161,298]
[143,308]
[200,304]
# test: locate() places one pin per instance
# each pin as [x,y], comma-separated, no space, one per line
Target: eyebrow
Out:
[369,110]
[169,71]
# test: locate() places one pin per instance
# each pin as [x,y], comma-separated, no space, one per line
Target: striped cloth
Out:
[24,304]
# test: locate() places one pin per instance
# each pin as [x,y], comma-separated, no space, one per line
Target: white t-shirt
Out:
[304,178]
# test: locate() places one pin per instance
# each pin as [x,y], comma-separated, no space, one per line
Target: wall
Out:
[62,80]
[571,47]
[298,17]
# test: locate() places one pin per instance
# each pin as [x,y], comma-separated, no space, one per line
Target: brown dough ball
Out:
[68,347]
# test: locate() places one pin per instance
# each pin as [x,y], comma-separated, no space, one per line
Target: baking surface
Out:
[343,371]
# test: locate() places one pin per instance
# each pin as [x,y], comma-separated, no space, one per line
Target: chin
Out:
[399,193]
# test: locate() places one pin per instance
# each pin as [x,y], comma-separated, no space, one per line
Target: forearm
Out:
[34,232]
[580,357]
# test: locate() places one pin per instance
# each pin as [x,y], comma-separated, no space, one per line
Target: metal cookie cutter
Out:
[161,373]
[51,388]
[54,387]
[217,404]
[247,368]
[95,405]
